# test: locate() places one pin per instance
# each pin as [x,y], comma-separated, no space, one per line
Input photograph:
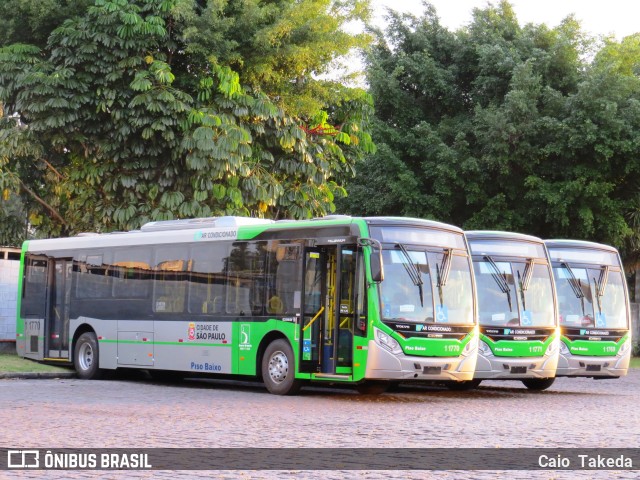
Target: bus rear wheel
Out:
[538,384]
[278,369]
[86,358]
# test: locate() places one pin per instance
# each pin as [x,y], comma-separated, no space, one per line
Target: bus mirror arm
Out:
[375,258]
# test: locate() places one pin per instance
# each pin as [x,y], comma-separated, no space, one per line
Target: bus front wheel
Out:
[278,369]
[538,384]
[86,357]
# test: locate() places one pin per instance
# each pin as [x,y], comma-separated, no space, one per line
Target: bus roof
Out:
[209,222]
[557,243]
[214,228]
[412,221]
[498,235]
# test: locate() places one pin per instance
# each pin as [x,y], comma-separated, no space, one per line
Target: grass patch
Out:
[14,364]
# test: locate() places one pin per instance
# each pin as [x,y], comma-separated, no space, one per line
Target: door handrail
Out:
[314,318]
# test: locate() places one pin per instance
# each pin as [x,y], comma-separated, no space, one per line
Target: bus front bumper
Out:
[516,368]
[600,367]
[384,365]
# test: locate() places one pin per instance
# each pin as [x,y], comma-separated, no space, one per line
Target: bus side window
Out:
[92,280]
[170,284]
[207,279]
[131,273]
[246,279]
[284,277]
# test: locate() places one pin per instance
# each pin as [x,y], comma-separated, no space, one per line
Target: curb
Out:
[34,375]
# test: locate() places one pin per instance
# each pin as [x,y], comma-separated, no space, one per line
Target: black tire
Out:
[278,369]
[372,387]
[538,384]
[86,357]
[464,385]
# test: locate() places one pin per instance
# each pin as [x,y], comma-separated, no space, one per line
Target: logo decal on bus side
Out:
[217,235]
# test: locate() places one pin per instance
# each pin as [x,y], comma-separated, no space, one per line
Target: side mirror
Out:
[375,258]
[377,270]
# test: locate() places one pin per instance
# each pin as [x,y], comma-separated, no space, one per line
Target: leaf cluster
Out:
[503,126]
[122,118]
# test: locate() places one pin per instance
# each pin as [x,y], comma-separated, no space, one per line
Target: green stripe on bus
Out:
[168,343]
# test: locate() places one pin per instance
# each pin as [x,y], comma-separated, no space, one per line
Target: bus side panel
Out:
[107,333]
[252,334]
[199,346]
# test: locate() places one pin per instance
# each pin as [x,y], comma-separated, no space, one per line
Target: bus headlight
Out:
[485,349]
[551,349]
[624,348]
[470,346]
[388,342]
[564,350]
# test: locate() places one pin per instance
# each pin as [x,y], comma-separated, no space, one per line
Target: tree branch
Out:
[53,169]
[53,211]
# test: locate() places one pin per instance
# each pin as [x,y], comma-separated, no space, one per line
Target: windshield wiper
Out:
[527,275]
[576,284]
[500,278]
[442,273]
[413,272]
[602,281]
[444,268]
[600,285]
[525,280]
[595,287]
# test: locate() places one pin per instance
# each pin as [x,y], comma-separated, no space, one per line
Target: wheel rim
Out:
[278,367]
[85,356]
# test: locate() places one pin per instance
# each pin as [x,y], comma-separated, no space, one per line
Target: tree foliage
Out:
[32,21]
[503,126]
[130,114]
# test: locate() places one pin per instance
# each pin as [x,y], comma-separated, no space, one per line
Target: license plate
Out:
[432,370]
[518,369]
[594,368]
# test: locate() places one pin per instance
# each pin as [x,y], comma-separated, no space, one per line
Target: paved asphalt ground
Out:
[138,413]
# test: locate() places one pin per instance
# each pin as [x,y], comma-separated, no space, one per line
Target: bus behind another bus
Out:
[519,337]
[594,309]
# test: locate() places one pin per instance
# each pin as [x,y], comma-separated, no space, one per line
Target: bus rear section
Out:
[519,338]
[594,309]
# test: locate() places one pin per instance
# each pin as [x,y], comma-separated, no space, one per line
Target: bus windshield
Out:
[587,298]
[515,294]
[423,286]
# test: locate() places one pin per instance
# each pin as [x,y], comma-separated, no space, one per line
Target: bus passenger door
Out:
[57,323]
[35,304]
[314,309]
[327,325]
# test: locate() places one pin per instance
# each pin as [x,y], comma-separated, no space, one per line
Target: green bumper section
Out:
[434,347]
[591,348]
[518,348]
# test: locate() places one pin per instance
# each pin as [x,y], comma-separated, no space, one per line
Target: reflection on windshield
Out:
[426,298]
[578,300]
[516,294]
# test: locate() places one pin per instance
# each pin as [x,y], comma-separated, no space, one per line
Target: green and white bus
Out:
[519,338]
[285,301]
[594,309]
